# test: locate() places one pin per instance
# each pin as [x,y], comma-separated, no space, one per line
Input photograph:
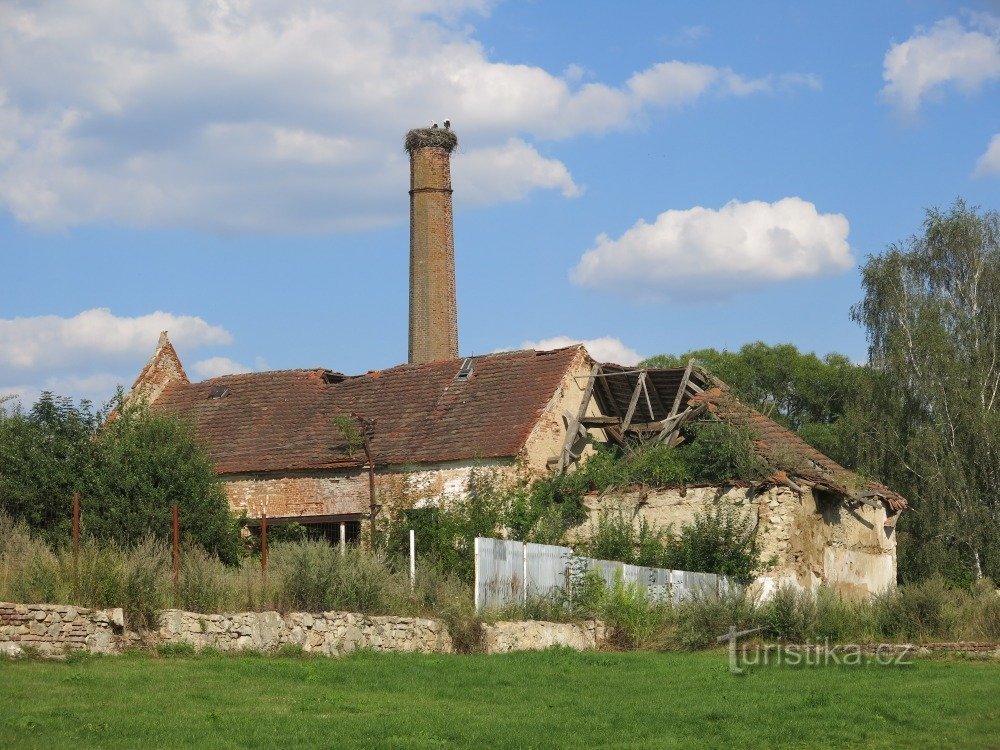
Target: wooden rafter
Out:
[639,386]
[575,427]
[669,432]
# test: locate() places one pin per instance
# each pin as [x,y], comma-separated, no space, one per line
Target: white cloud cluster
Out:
[52,341]
[88,354]
[949,53]
[509,172]
[603,348]
[989,162]
[285,116]
[213,367]
[719,250]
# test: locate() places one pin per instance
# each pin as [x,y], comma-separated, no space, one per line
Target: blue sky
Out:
[648,177]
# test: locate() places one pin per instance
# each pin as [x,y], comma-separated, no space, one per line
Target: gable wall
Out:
[546,439]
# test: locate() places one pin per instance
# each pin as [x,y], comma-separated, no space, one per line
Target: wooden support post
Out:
[177,554]
[645,389]
[574,427]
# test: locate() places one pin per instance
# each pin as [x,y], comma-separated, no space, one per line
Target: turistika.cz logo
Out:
[809,654]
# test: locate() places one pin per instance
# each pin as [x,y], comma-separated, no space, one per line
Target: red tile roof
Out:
[788,452]
[284,420]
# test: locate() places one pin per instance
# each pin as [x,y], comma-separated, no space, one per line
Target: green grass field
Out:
[548,699]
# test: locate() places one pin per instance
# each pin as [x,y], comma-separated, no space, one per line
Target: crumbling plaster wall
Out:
[319,493]
[804,540]
[549,434]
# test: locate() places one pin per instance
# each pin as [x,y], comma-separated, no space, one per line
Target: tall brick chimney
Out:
[433,308]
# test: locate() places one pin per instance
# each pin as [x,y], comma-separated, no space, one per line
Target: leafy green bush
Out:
[129,470]
[719,540]
[719,452]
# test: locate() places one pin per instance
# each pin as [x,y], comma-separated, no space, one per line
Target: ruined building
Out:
[290,443]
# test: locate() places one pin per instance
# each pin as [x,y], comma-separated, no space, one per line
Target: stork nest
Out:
[431,137]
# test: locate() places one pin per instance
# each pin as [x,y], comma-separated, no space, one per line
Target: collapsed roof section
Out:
[650,405]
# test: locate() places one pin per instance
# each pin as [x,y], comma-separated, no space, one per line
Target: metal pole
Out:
[263,544]
[413,560]
[475,591]
[177,555]
[343,538]
[76,547]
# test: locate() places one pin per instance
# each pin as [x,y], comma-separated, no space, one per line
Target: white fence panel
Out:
[609,570]
[508,572]
[499,572]
[546,569]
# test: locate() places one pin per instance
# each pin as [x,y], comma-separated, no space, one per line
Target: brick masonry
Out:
[433,306]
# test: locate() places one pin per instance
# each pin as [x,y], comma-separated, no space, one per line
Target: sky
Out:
[645,177]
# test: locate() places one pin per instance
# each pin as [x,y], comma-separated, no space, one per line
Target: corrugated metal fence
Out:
[511,572]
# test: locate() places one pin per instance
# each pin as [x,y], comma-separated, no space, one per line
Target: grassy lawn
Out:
[549,699]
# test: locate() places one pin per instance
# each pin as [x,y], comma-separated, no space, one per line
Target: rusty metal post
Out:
[177,555]
[263,544]
[76,547]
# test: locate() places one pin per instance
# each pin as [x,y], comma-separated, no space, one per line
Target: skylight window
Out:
[465,370]
[218,392]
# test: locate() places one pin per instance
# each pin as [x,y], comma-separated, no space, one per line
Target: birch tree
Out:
[932,313]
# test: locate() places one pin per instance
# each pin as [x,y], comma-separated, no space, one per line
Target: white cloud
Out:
[948,53]
[509,172]
[686,252]
[88,355]
[267,116]
[213,367]
[989,162]
[49,340]
[603,349]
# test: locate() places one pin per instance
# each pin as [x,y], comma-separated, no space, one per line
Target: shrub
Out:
[206,585]
[701,619]
[722,452]
[633,617]
[719,540]
[129,470]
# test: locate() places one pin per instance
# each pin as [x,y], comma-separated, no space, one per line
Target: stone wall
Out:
[805,539]
[530,635]
[56,628]
[329,633]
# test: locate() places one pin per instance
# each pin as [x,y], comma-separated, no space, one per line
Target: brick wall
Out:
[433,309]
[163,368]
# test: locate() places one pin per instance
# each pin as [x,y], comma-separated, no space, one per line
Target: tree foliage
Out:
[128,469]
[932,420]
